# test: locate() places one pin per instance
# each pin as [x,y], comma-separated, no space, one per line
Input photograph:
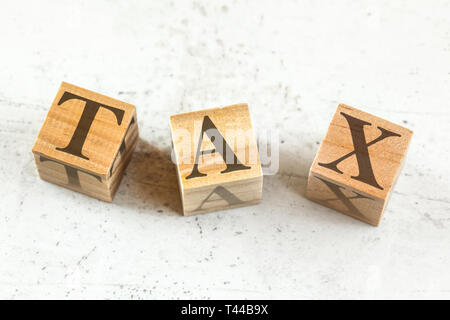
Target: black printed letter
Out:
[361,150]
[222,147]
[91,108]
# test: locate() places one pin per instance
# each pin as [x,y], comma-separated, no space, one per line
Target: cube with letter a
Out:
[86,141]
[217,159]
[357,164]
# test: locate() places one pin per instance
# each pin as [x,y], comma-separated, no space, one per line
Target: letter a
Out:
[224,194]
[222,147]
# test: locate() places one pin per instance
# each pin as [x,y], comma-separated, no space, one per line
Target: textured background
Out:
[293,62]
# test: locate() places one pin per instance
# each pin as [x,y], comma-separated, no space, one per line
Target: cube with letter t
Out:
[86,141]
[217,159]
[357,164]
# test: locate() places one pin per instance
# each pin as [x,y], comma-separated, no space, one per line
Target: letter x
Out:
[361,150]
[341,196]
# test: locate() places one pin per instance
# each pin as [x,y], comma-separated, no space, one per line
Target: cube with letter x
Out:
[217,159]
[357,164]
[86,141]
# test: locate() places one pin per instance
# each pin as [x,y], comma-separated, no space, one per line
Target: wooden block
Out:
[217,159]
[357,164]
[86,141]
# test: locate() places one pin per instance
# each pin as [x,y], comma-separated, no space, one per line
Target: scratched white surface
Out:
[293,62]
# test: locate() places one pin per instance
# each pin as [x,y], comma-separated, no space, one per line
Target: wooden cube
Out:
[86,141]
[217,159]
[357,164]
